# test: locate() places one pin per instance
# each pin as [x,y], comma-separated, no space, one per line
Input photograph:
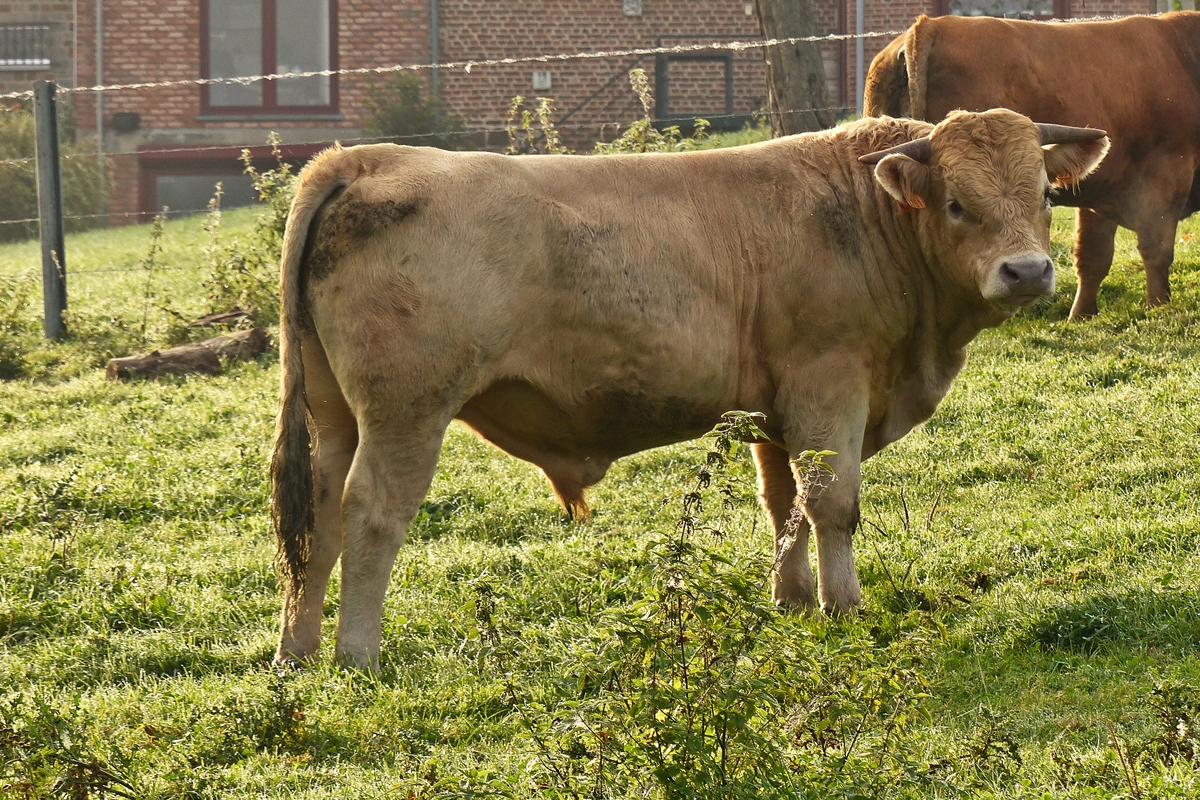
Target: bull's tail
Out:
[897,81]
[291,465]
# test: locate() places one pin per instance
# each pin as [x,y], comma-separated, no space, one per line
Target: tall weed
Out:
[17,328]
[642,136]
[245,274]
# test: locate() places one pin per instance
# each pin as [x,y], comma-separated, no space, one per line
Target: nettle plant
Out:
[533,130]
[245,274]
[700,688]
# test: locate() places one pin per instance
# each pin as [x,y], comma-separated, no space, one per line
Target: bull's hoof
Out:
[358,661]
[290,659]
[836,611]
[799,602]
[1083,308]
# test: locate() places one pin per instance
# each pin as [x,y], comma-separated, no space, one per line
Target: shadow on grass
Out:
[1165,620]
[483,519]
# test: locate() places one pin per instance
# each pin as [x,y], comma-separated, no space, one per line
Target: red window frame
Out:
[269,106]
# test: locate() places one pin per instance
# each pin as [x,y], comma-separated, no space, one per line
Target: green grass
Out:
[1043,583]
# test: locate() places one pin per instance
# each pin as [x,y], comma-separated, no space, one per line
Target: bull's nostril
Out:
[1009,274]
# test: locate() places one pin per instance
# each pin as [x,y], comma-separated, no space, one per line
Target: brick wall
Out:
[1099,8]
[60,16]
[582,92]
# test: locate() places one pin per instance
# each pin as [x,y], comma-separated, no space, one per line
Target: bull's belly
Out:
[602,425]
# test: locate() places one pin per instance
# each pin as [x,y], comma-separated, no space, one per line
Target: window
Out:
[24,47]
[260,37]
[1009,9]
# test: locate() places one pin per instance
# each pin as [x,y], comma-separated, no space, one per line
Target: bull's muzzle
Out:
[1023,278]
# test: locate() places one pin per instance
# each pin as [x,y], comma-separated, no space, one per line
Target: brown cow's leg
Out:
[1156,243]
[1094,237]
[389,478]
[793,584]
[334,444]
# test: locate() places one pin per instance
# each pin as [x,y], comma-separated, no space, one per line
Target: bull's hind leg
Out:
[336,437]
[1094,240]
[389,478]
[793,585]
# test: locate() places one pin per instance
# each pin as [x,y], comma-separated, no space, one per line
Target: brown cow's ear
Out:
[905,180]
[1067,164]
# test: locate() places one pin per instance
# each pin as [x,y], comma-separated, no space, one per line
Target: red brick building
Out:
[170,143]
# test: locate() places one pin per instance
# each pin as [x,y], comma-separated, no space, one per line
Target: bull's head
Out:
[984,181]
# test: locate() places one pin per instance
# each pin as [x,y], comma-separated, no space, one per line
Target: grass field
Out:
[1030,569]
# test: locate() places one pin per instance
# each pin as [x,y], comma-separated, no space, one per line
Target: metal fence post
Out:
[50,208]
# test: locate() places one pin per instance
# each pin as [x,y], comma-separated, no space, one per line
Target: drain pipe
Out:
[858,56]
[435,55]
[100,82]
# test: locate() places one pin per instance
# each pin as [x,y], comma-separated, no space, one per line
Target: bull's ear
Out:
[1070,163]
[905,180]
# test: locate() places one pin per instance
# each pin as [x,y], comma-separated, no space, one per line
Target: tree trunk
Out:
[796,90]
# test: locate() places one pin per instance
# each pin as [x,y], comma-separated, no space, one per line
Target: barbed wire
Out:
[35,274]
[468,64]
[110,215]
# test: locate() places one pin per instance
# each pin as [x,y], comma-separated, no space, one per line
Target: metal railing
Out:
[24,47]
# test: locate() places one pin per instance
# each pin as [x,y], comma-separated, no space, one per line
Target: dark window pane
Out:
[1013,9]
[234,50]
[192,192]
[302,45]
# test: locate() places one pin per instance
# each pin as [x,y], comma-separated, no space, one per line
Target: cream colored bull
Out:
[574,310]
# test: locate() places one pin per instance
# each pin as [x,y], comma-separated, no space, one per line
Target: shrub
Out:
[397,111]
[82,178]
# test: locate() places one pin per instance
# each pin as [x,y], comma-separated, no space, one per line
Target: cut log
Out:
[194,358]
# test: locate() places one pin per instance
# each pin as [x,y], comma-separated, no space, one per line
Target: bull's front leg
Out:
[832,507]
[829,412]
[1094,242]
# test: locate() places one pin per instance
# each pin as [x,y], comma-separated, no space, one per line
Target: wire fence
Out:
[468,65]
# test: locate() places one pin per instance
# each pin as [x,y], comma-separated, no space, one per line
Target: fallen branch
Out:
[194,358]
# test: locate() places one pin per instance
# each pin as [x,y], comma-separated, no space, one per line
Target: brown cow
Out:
[1137,78]
[575,309]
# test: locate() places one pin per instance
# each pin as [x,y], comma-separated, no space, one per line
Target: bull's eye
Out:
[1047,197]
[955,209]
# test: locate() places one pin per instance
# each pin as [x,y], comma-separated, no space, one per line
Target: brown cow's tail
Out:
[291,466]
[886,89]
[917,44]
